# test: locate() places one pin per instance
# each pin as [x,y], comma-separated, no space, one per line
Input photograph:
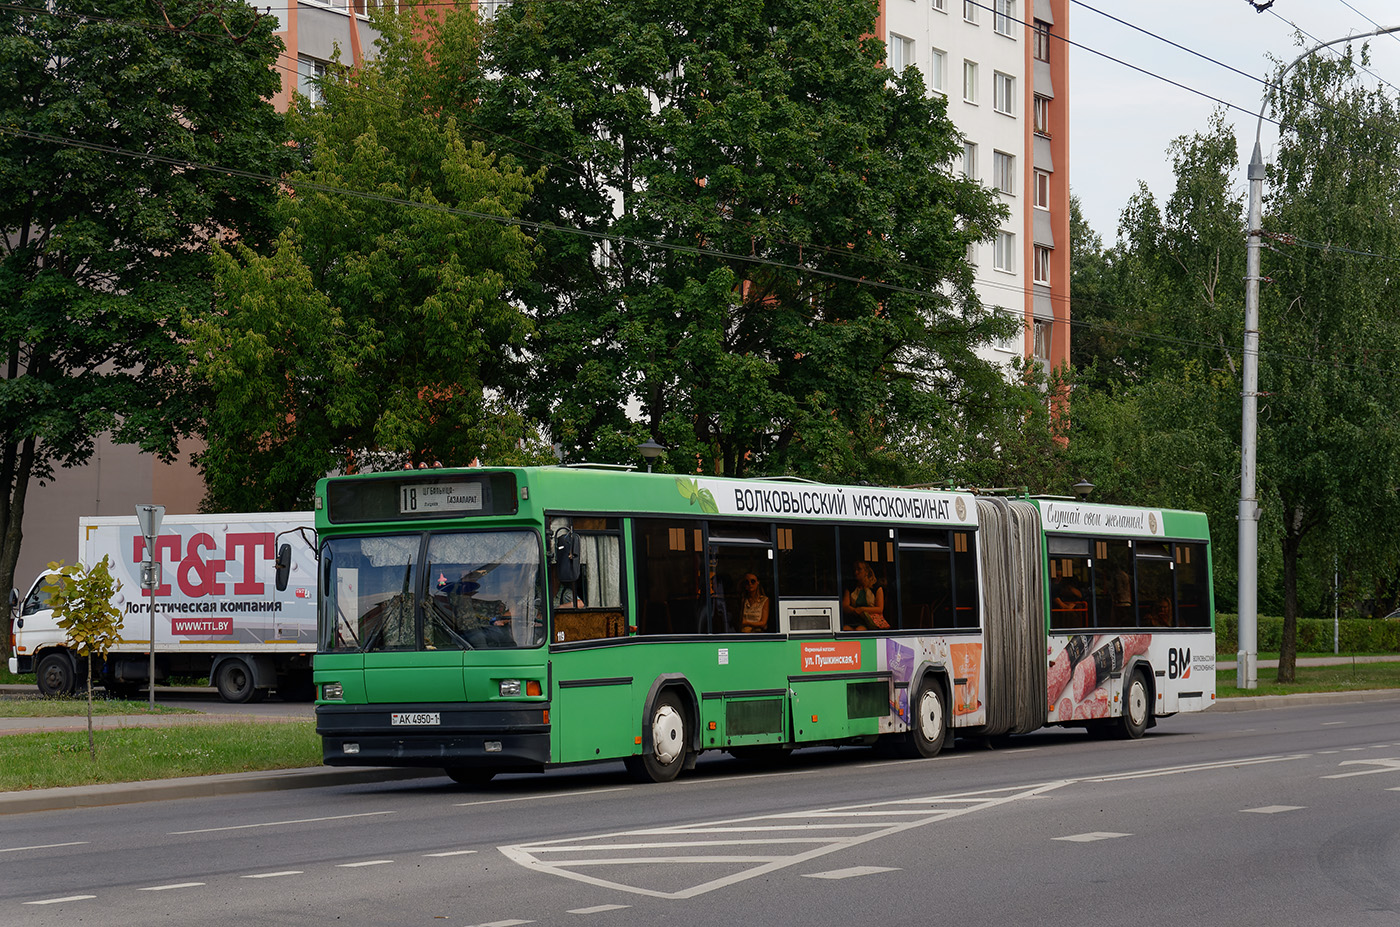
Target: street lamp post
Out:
[1246,667]
[651,450]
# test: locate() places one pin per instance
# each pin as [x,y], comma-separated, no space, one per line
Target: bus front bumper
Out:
[483,735]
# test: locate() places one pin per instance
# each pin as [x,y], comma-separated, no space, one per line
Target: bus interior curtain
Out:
[1013,616]
[602,570]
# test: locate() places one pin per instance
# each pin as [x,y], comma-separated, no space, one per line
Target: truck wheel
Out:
[234,680]
[54,675]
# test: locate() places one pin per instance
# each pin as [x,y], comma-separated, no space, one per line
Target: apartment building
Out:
[1003,67]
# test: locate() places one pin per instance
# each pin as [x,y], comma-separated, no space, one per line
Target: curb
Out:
[121,793]
[1275,702]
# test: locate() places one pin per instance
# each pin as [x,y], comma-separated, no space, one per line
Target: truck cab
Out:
[38,645]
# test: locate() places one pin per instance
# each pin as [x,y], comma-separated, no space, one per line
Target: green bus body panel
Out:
[742,690]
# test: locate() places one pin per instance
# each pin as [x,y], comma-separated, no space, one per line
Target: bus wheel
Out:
[470,775]
[54,675]
[669,736]
[930,723]
[234,680]
[1137,708]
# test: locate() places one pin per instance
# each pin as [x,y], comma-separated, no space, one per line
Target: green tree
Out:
[105,221]
[759,239]
[376,332]
[81,599]
[1329,446]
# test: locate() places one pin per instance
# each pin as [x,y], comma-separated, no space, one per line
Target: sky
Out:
[1122,119]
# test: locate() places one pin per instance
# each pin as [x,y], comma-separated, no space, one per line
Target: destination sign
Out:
[439,498]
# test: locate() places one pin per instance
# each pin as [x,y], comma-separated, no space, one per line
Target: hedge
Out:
[1315,635]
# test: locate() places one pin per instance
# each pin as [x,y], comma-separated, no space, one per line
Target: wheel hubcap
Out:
[667,732]
[1137,704]
[930,717]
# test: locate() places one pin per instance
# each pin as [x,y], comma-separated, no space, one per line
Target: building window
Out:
[900,53]
[938,72]
[1004,172]
[1004,93]
[940,5]
[1004,20]
[1042,264]
[970,11]
[1042,115]
[1004,258]
[1042,40]
[310,72]
[969,81]
[363,7]
[970,160]
[1041,341]
[487,9]
[972,253]
[1042,189]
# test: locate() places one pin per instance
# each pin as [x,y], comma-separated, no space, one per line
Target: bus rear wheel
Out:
[1137,708]
[670,735]
[928,729]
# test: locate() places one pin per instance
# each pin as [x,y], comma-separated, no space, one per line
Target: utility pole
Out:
[1247,659]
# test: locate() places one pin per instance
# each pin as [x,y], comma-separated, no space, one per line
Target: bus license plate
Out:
[415,718]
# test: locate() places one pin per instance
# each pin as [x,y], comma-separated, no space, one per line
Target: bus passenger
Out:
[863,608]
[481,622]
[753,606]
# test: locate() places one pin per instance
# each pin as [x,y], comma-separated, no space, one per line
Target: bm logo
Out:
[1179,663]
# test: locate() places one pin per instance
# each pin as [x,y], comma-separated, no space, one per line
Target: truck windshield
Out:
[470,590]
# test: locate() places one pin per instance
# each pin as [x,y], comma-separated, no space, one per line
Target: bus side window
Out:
[1192,589]
[670,568]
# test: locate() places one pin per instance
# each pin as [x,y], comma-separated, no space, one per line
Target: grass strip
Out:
[65,707]
[1344,678]
[128,754]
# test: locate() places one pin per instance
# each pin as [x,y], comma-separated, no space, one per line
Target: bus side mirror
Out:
[14,603]
[568,565]
[284,566]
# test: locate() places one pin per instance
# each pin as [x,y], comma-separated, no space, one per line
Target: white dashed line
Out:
[503,923]
[451,853]
[600,909]
[336,817]
[1376,766]
[62,900]
[1271,809]
[44,846]
[503,801]
[1092,836]
[368,862]
[850,873]
[166,888]
[273,875]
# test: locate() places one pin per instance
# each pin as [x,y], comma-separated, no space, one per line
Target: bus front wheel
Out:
[670,734]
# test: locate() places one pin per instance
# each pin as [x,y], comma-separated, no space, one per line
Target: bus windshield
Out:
[470,590]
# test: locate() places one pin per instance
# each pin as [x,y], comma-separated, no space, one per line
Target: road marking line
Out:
[1091,836]
[1380,766]
[334,817]
[850,873]
[600,909]
[451,853]
[62,900]
[1332,723]
[273,875]
[1198,767]
[502,801]
[44,846]
[1271,809]
[166,888]
[368,862]
[503,923]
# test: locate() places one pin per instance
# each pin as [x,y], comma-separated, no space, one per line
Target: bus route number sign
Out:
[436,498]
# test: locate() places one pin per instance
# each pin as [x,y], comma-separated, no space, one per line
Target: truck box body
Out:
[217,603]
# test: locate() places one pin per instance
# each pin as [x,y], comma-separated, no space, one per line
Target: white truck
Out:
[218,612]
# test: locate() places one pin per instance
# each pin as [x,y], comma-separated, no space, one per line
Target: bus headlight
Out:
[510,688]
[332,692]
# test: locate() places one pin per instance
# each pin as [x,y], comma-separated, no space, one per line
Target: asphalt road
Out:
[1280,817]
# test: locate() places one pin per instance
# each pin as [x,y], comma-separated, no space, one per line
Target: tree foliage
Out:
[759,241]
[376,332]
[81,599]
[105,108]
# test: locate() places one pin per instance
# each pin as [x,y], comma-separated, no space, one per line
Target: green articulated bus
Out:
[490,620]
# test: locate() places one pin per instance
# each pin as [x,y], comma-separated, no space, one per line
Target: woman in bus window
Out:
[864,606]
[753,608]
